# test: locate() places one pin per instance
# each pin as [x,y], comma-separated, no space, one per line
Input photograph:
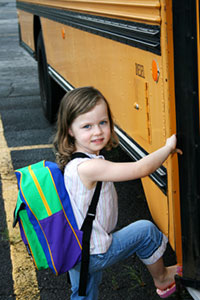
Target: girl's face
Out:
[91,130]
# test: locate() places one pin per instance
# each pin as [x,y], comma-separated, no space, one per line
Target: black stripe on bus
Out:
[143,36]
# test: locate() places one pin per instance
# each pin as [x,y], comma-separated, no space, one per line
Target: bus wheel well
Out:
[37,29]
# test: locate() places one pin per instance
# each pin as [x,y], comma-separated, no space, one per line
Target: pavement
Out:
[25,138]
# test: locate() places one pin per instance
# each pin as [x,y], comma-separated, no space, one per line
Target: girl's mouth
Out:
[98,141]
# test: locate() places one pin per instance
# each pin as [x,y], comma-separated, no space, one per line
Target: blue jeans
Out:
[141,237]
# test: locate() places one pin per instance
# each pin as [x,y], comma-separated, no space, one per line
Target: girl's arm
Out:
[102,170]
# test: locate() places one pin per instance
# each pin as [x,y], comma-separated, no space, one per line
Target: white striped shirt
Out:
[107,207]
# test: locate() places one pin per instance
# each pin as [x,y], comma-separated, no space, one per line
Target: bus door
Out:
[187,71]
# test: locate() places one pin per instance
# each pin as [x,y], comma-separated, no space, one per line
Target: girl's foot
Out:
[164,290]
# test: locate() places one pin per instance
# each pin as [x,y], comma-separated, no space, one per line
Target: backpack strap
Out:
[79,155]
[87,230]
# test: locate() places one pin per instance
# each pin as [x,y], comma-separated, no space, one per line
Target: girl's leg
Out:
[94,279]
[141,237]
[144,239]
[162,276]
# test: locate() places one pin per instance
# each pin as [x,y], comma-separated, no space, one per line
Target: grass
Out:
[135,276]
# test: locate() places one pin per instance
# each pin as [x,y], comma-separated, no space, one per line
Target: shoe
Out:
[167,292]
[171,288]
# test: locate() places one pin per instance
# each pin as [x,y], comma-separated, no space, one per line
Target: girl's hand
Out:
[171,143]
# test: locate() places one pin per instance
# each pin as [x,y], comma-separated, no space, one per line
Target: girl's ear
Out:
[70,132]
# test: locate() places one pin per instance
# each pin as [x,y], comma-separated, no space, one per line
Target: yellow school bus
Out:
[144,57]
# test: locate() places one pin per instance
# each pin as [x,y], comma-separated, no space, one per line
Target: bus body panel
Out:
[147,11]
[106,64]
[26,28]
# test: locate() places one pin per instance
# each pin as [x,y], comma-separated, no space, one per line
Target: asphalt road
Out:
[27,140]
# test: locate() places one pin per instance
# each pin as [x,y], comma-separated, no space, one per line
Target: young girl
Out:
[85,125]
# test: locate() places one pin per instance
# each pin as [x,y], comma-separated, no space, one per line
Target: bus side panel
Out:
[170,113]
[158,205]
[124,75]
[26,28]
[112,67]
[145,11]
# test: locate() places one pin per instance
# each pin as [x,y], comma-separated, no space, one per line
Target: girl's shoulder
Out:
[78,160]
[91,156]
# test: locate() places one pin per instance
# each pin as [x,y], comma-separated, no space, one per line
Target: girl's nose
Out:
[97,129]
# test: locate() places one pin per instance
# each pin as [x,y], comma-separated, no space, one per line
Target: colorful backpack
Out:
[47,223]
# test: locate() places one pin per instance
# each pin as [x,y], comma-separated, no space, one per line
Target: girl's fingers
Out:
[179,151]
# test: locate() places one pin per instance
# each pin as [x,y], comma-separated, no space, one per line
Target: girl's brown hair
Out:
[73,104]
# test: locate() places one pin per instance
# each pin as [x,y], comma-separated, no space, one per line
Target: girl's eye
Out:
[103,122]
[87,126]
